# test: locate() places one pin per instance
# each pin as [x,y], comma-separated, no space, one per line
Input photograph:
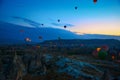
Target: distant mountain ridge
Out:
[84,42]
[99,36]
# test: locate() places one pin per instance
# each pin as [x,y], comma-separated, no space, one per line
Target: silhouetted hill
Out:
[16,34]
[99,36]
[85,42]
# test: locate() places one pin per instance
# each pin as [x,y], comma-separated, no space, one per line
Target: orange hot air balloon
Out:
[98,49]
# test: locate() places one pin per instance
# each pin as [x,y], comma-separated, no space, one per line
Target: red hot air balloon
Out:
[94,1]
[105,47]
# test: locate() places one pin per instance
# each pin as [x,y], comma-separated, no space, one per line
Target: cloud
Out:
[33,23]
[59,24]
[62,24]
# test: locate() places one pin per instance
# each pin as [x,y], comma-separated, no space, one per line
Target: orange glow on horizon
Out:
[103,27]
[82,33]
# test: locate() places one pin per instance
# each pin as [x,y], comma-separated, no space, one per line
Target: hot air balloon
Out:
[21,31]
[42,24]
[98,49]
[118,61]
[81,45]
[37,47]
[102,54]
[112,53]
[105,48]
[113,57]
[95,53]
[27,39]
[76,7]
[40,37]
[94,1]
[65,26]
[58,20]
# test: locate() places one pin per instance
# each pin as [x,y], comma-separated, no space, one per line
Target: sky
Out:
[102,17]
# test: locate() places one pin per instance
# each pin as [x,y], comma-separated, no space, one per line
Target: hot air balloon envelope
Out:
[98,49]
[27,39]
[102,54]
[76,7]
[58,20]
[95,53]
[105,47]
[42,24]
[37,46]
[94,1]
[40,37]
[65,26]
[81,44]
[113,57]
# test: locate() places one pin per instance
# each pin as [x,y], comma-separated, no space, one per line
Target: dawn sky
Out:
[102,17]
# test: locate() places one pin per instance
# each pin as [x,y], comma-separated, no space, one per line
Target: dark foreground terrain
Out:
[61,60]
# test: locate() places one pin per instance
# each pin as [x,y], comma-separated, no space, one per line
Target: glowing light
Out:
[113,57]
[27,39]
[98,49]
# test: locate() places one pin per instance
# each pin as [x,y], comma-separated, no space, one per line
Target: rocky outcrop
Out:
[16,67]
